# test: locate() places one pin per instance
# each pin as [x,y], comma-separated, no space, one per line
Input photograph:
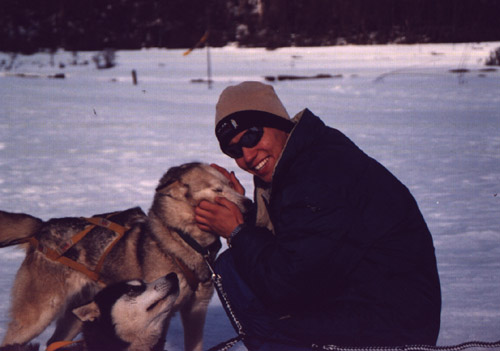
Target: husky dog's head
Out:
[129,315]
[182,188]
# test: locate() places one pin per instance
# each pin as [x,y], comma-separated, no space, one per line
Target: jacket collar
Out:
[304,133]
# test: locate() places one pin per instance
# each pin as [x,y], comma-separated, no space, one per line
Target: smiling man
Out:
[337,251]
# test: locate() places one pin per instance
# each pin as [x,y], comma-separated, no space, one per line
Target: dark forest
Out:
[39,25]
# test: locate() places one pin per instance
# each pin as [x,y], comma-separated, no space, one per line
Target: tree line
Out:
[33,25]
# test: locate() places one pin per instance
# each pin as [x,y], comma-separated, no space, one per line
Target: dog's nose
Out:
[172,278]
[247,205]
[173,281]
[170,281]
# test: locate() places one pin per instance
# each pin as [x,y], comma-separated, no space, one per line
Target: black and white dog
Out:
[125,316]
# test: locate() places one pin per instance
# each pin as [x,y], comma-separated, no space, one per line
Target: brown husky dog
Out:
[166,240]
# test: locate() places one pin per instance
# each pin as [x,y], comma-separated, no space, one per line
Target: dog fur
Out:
[45,290]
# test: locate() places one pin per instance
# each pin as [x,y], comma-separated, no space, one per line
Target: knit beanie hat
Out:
[246,105]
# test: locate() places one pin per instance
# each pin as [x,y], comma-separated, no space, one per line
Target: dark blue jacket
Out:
[351,261]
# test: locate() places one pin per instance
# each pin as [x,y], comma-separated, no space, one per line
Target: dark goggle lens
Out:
[248,140]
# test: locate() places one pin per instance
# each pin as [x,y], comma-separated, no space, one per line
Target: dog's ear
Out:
[175,189]
[88,312]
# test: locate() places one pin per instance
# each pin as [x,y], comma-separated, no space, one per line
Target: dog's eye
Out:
[135,290]
[218,190]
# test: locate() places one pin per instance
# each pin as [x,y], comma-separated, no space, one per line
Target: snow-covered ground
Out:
[94,142]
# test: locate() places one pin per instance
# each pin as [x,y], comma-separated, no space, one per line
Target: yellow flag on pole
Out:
[202,40]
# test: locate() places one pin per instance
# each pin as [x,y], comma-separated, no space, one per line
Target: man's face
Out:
[261,159]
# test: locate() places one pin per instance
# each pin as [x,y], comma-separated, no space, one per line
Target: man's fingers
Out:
[204,227]
[221,170]
[236,184]
[232,178]
[220,217]
[201,215]
[203,219]
[209,210]
[224,202]
[231,207]
[206,206]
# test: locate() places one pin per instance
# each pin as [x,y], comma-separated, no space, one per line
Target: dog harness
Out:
[58,253]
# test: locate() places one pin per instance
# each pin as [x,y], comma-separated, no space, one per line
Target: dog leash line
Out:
[458,347]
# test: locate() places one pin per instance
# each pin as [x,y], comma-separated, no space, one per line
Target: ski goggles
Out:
[251,138]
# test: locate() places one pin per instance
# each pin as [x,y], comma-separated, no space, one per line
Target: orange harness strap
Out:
[56,345]
[118,229]
[57,254]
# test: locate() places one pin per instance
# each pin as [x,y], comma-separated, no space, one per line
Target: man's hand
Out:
[221,217]
[235,183]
